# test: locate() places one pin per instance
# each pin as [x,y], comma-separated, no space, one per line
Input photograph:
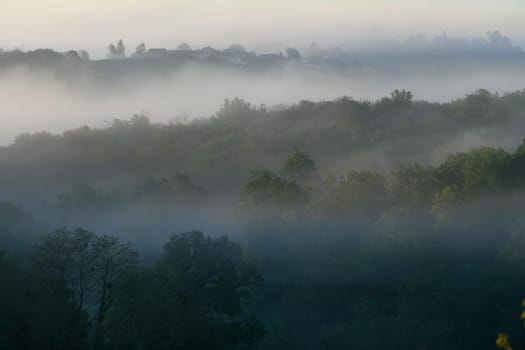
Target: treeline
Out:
[118,72]
[219,153]
[461,179]
[415,54]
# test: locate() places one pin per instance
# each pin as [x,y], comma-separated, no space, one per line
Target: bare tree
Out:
[113,261]
[88,267]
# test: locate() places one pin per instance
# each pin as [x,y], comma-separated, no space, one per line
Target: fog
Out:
[91,24]
[35,101]
[297,174]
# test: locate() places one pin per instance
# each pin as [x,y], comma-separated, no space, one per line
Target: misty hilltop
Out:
[383,207]
[390,56]
[222,150]
[70,89]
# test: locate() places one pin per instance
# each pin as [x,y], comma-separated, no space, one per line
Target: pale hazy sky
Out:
[92,24]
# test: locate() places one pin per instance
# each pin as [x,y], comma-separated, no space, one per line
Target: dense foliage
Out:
[219,153]
[86,291]
[424,251]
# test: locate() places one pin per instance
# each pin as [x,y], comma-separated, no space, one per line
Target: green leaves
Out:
[195,298]
[300,168]
[86,270]
[266,189]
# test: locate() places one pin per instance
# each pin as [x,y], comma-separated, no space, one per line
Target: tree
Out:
[500,42]
[236,108]
[184,47]
[211,282]
[513,251]
[118,51]
[299,167]
[401,97]
[398,100]
[400,230]
[164,190]
[84,55]
[121,50]
[293,54]
[479,171]
[356,193]
[82,198]
[17,229]
[112,262]
[85,269]
[184,187]
[83,281]
[267,189]
[195,298]
[53,259]
[237,49]
[33,316]
[140,50]
[112,51]
[72,55]
[413,184]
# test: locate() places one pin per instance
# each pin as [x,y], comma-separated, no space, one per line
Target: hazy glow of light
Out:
[94,23]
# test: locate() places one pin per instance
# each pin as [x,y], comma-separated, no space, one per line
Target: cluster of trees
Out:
[493,41]
[427,253]
[462,178]
[431,256]
[417,56]
[156,191]
[42,57]
[80,290]
[117,51]
[222,151]
[17,228]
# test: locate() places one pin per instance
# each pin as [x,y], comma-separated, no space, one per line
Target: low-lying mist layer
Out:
[326,261]
[219,153]
[346,218]
[291,217]
[58,96]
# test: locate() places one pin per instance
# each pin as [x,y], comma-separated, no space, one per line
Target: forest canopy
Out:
[270,228]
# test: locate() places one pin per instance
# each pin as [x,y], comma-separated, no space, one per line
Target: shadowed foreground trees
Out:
[86,270]
[33,314]
[426,256]
[86,291]
[430,256]
[194,298]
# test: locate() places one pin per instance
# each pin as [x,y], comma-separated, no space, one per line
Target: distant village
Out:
[494,41]
[235,54]
[383,55]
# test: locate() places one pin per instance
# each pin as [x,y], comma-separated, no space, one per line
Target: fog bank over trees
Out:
[219,152]
[312,260]
[295,199]
[68,89]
